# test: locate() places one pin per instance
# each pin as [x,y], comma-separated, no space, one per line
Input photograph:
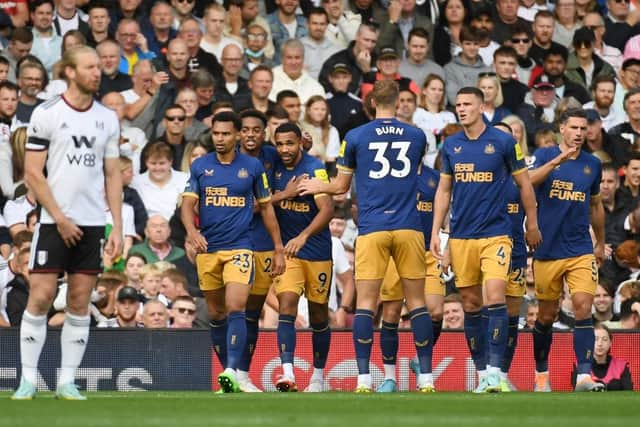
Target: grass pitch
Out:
[183,409]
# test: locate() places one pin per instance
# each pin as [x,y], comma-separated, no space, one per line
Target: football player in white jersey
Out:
[76,139]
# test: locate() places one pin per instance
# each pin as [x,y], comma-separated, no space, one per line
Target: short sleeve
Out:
[446,168]
[340,261]
[333,147]
[193,185]
[112,148]
[514,156]
[39,131]
[261,189]
[539,159]
[347,156]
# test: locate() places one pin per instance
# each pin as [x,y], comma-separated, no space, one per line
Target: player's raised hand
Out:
[291,189]
[279,264]
[564,156]
[294,245]
[197,241]
[434,247]
[69,231]
[533,237]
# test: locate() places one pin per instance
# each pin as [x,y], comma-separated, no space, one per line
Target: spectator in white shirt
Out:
[214,40]
[160,186]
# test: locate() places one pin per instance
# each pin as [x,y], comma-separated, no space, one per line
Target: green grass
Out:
[184,409]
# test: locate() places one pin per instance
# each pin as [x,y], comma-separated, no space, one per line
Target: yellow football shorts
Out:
[222,267]
[580,273]
[311,277]
[262,280]
[474,261]
[374,249]
[517,284]
[391,289]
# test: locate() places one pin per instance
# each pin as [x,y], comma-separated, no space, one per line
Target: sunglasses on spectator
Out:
[186,1]
[183,310]
[621,1]
[516,40]
[175,118]
[489,74]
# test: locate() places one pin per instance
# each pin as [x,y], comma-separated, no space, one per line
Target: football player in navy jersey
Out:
[223,186]
[384,155]
[252,135]
[476,164]
[304,225]
[567,181]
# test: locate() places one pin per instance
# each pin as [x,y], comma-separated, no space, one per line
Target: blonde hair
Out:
[512,119]
[18,141]
[385,93]
[163,266]
[70,58]
[499,97]
[149,270]
[324,124]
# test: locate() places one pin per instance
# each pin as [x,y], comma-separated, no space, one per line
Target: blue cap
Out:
[592,115]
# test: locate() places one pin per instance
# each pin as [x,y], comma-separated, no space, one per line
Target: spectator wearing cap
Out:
[343,105]
[595,22]
[583,65]
[598,140]
[291,74]
[464,68]
[343,24]
[554,66]
[603,89]
[359,57]
[388,63]
[628,78]
[285,24]
[630,129]
[619,23]
[482,22]
[127,306]
[46,42]
[403,17]
[416,65]
[538,110]
[317,46]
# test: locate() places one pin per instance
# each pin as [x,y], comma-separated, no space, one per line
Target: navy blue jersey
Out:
[427,184]
[226,194]
[564,200]
[480,170]
[385,155]
[294,215]
[516,214]
[259,235]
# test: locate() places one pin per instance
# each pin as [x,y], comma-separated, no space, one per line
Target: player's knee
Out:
[435,312]
[582,303]
[318,313]
[546,317]
[288,303]
[391,311]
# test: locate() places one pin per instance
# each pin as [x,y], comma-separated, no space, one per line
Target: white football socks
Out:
[73,343]
[33,333]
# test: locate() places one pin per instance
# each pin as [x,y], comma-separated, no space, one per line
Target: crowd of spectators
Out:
[169,66]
